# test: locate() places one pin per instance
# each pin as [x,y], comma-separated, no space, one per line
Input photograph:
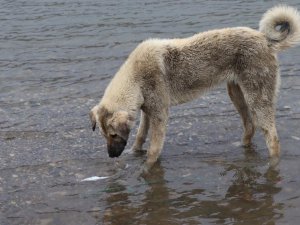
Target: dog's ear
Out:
[93,117]
[122,123]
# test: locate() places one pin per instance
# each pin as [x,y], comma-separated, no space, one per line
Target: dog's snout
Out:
[115,149]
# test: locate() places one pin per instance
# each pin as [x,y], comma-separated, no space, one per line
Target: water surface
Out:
[57,58]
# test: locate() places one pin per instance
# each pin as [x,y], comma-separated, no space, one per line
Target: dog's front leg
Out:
[158,125]
[142,132]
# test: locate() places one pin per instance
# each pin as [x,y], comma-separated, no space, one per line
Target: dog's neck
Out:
[114,104]
[122,95]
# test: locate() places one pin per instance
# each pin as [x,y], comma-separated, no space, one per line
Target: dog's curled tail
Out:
[281,25]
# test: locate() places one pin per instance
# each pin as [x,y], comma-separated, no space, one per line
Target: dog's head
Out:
[114,126]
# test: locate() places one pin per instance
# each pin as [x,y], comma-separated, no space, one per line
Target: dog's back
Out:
[210,58]
[193,65]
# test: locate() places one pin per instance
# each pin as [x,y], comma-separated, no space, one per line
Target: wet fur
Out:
[162,73]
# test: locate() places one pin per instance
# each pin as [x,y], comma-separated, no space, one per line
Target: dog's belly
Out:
[185,90]
[177,99]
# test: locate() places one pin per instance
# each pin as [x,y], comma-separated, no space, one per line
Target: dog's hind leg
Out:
[260,97]
[142,132]
[266,121]
[237,97]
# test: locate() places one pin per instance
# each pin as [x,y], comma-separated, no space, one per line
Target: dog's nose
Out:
[114,154]
[115,149]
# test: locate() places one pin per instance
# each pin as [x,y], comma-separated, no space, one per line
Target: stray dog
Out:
[161,73]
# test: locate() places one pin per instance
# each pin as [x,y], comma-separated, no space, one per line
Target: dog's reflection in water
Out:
[156,199]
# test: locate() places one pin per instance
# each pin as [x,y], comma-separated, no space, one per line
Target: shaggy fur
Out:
[162,73]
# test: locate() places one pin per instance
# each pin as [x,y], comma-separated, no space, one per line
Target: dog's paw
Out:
[246,142]
[136,148]
[138,151]
[148,169]
[143,172]
[274,161]
[145,169]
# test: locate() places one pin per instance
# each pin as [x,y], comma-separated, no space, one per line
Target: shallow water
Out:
[57,58]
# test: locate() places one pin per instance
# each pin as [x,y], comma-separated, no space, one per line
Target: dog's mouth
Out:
[115,149]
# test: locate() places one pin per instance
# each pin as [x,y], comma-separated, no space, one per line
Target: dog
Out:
[161,73]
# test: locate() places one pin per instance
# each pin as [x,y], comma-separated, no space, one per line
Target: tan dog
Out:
[162,73]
